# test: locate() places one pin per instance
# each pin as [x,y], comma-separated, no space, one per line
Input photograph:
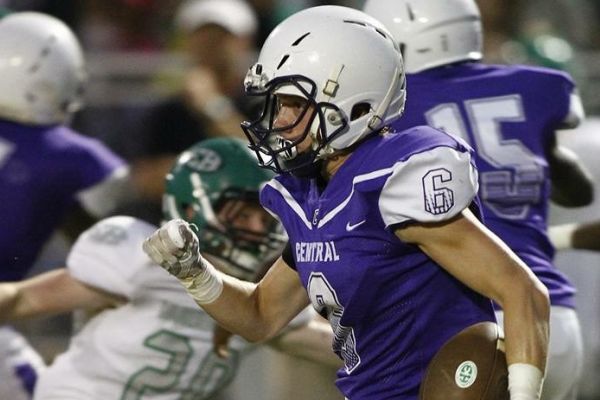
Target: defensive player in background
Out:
[383,236]
[146,336]
[46,169]
[510,115]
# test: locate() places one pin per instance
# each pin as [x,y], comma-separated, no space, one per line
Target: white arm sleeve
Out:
[576,113]
[109,254]
[431,186]
[103,198]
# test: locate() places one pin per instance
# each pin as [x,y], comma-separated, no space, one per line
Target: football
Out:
[469,366]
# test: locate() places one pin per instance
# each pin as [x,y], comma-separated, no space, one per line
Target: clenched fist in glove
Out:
[176,248]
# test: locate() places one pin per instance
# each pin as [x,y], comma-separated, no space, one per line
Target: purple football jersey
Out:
[508,114]
[41,171]
[390,306]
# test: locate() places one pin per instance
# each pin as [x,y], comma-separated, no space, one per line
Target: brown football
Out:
[469,366]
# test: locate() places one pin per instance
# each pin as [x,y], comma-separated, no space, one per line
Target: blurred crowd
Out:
[159,67]
[156,64]
[148,25]
[154,44]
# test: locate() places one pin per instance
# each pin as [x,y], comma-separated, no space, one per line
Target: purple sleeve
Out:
[94,163]
[558,87]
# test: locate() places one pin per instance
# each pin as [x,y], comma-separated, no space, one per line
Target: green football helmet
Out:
[204,179]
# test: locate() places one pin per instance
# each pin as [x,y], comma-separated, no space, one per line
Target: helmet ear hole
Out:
[334,118]
[358,110]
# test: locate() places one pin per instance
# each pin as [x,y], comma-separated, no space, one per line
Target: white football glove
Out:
[175,247]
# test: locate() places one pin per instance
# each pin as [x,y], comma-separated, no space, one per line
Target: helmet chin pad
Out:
[290,151]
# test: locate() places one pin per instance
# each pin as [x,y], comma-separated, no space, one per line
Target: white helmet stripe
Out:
[200,194]
[171,206]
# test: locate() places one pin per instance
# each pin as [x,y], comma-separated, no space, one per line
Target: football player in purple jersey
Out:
[45,167]
[510,115]
[384,238]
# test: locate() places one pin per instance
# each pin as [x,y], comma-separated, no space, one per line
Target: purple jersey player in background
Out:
[509,114]
[382,237]
[46,169]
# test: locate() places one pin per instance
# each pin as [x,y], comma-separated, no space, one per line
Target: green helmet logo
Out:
[205,160]
[203,180]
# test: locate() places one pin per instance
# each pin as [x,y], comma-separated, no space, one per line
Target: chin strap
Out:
[329,89]
[307,168]
[377,119]
[332,85]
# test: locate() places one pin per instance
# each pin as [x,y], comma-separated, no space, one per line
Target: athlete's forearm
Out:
[526,315]
[526,307]
[254,311]
[9,297]
[52,292]
[312,341]
[236,309]
[29,298]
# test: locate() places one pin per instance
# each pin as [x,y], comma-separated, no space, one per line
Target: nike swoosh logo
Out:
[353,227]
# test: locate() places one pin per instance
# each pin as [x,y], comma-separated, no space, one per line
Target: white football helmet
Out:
[42,69]
[431,33]
[341,61]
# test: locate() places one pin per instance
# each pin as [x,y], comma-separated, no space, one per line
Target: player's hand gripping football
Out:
[176,248]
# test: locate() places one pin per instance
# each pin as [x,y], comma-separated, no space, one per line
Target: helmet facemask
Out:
[280,152]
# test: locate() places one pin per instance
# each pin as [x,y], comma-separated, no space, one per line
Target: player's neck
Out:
[333,164]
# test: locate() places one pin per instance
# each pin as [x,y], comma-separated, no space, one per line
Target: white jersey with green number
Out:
[157,345]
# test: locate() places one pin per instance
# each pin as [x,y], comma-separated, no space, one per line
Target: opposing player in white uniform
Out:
[146,337]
